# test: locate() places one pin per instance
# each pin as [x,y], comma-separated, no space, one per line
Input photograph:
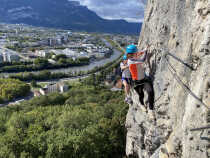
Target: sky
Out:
[130,10]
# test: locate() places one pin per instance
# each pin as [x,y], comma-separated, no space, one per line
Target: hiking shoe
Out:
[128,100]
[143,108]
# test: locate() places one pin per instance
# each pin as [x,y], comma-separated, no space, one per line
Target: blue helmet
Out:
[131,49]
[124,57]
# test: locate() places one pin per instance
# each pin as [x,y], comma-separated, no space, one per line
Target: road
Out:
[18,100]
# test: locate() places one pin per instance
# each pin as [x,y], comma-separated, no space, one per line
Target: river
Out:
[91,66]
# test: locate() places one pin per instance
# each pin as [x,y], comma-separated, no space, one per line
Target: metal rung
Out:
[199,129]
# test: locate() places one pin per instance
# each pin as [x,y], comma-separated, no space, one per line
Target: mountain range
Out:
[62,14]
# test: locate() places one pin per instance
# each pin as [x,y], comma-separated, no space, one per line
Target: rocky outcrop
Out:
[182,28]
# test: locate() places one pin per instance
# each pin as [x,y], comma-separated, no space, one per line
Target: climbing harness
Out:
[138,83]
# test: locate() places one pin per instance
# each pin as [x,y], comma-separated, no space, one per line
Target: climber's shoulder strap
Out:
[136,83]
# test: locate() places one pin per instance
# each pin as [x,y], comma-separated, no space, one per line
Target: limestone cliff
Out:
[182,28]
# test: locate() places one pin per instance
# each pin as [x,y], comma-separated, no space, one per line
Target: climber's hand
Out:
[147,47]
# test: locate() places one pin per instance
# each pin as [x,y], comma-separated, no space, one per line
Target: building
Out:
[83,54]
[43,43]
[88,45]
[92,50]
[105,51]
[13,58]
[41,53]
[64,39]
[63,87]
[99,55]
[53,88]
[76,47]
[69,33]
[51,42]
[69,53]
[37,94]
[1,58]
[10,56]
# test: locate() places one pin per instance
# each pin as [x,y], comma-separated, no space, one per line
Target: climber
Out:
[136,61]
[126,78]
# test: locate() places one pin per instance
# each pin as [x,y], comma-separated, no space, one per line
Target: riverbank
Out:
[50,76]
[70,73]
[75,70]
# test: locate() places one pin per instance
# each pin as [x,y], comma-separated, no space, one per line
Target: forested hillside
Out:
[86,122]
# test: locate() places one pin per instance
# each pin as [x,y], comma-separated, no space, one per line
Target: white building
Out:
[63,87]
[104,50]
[9,55]
[92,50]
[58,41]
[1,58]
[99,55]
[41,53]
[75,46]
[83,54]
[13,58]
[53,87]
[87,45]
[70,53]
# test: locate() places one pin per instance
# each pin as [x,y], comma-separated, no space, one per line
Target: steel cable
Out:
[184,86]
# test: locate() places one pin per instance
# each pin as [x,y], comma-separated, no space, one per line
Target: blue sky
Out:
[130,10]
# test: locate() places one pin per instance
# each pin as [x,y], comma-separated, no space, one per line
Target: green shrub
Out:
[12,88]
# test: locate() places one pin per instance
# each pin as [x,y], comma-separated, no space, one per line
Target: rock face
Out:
[182,28]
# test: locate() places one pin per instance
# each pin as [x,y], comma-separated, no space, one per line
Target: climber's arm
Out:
[123,67]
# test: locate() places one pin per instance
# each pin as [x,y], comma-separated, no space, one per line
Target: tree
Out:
[33,83]
[1,100]
[61,126]
[62,61]
[44,74]
[41,62]
[12,88]
[60,56]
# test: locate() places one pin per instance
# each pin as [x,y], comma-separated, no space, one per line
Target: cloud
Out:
[130,10]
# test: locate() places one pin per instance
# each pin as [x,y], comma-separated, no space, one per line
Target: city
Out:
[27,43]
[41,54]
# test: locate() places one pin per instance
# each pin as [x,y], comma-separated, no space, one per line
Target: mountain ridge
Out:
[63,14]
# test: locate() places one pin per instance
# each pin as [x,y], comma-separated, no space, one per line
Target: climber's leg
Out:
[140,92]
[127,90]
[127,87]
[148,86]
